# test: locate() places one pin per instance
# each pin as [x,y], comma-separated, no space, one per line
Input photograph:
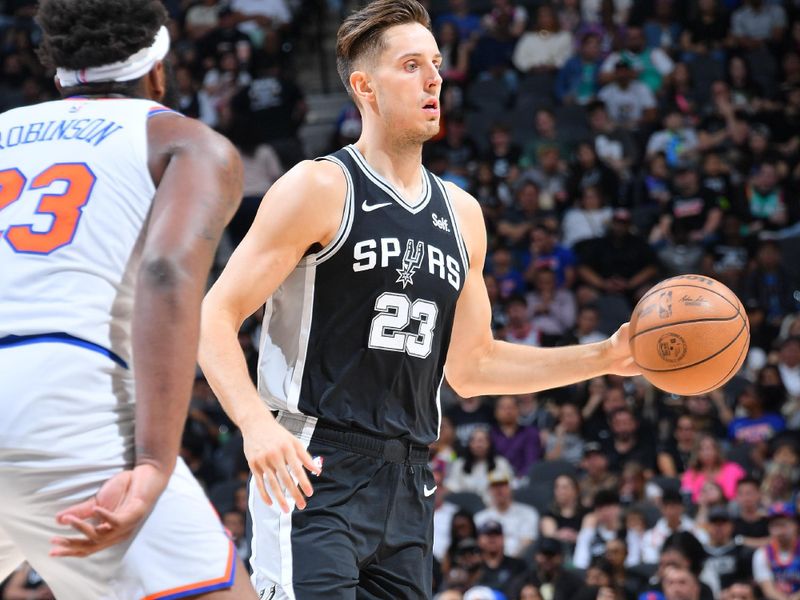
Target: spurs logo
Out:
[412,260]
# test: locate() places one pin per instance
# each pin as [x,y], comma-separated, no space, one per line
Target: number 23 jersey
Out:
[358,333]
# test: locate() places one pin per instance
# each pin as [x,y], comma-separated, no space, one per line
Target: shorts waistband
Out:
[391,450]
[62,338]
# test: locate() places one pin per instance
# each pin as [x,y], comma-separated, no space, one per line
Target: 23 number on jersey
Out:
[395,313]
[66,207]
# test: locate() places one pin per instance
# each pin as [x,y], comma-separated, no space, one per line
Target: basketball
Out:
[689,335]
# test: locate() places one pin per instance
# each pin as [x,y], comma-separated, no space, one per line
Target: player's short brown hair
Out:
[362,32]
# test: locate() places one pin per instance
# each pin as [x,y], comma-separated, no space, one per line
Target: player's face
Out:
[407,83]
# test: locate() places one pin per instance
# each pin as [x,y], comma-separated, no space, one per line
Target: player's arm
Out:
[301,209]
[477,364]
[199,179]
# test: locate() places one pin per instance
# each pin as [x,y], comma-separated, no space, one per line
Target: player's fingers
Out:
[301,476]
[82,510]
[307,460]
[258,477]
[291,488]
[82,526]
[275,487]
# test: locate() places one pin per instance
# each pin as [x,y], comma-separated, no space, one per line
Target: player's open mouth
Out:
[431,107]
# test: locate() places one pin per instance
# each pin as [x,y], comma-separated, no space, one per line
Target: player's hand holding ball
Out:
[689,335]
[279,460]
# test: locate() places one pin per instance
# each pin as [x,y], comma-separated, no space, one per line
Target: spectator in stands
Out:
[515,223]
[757,23]
[550,175]
[776,566]
[455,53]
[546,136]
[506,9]
[707,31]
[596,475]
[677,142]
[589,220]
[551,310]
[578,79]
[765,200]
[682,551]
[627,444]
[563,520]
[769,284]
[651,65]
[630,103]
[547,574]
[546,47]
[465,569]
[519,329]
[695,208]
[727,260]
[680,584]
[503,154]
[663,30]
[614,145]
[471,473]
[566,441]
[468,24]
[675,453]
[202,18]
[673,519]
[459,147]
[589,171]
[469,414]
[756,425]
[740,590]
[781,472]
[520,521]
[708,463]
[547,253]
[585,331]
[491,57]
[497,568]
[751,521]
[728,557]
[519,444]
[603,524]
[620,262]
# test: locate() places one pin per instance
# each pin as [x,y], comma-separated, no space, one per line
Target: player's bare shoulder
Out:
[314,191]
[169,134]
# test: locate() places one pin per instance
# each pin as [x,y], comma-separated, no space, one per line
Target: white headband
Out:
[133,67]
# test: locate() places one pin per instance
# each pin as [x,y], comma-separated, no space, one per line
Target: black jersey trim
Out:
[387,187]
[345,226]
[462,247]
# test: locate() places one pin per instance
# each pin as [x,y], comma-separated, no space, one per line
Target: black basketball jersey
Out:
[358,333]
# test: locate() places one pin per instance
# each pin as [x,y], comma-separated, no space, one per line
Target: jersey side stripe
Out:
[381,183]
[347,219]
[457,231]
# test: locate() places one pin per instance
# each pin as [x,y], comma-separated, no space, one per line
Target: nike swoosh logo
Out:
[370,207]
[429,491]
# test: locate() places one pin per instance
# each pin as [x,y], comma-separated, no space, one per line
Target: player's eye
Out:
[411,67]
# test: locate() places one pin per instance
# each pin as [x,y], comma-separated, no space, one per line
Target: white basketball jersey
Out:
[75,193]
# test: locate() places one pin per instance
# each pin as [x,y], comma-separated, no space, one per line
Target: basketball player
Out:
[111,207]
[371,268]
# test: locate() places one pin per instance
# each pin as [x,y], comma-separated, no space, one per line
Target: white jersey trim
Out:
[345,226]
[296,386]
[462,247]
[386,186]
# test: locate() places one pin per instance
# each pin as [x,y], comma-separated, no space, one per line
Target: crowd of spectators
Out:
[610,144]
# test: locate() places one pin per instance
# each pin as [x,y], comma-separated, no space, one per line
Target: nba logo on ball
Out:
[689,335]
[671,347]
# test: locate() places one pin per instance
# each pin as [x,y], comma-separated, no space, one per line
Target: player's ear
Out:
[361,85]
[156,81]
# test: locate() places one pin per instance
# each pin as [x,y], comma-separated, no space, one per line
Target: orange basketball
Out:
[689,335]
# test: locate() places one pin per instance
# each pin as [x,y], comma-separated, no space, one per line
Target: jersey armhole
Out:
[347,219]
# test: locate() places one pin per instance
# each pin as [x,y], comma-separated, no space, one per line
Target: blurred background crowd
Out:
[610,143]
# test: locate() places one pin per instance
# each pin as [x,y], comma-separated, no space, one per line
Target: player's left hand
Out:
[113,514]
[618,354]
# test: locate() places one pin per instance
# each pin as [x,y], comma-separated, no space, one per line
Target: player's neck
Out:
[397,162]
